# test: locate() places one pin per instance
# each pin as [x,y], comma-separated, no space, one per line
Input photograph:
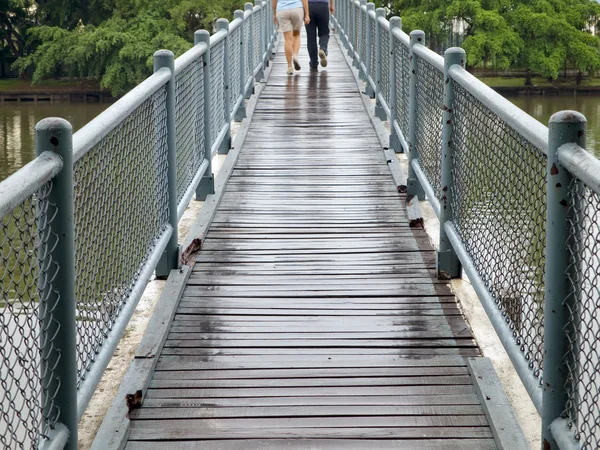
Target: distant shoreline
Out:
[55,96]
[546,90]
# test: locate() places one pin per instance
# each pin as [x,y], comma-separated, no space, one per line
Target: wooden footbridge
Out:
[313,317]
[307,307]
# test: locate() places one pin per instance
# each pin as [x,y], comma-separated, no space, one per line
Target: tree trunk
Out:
[565,71]
[528,77]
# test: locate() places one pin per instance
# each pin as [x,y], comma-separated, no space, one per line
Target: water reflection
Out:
[17,128]
[542,107]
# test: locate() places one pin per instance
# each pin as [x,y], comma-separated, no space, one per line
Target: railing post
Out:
[395,23]
[223,24]
[58,332]
[448,264]
[260,75]
[359,42]
[379,111]
[414,186]
[240,114]
[250,48]
[356,17]
[368,55]
[170,257]
[352,31]
[564,127]
[206,185]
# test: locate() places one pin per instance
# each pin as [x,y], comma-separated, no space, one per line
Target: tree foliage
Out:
[542,36]
[80,39]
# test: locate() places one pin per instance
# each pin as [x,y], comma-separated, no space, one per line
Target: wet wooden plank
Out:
[321,444]
[189,429]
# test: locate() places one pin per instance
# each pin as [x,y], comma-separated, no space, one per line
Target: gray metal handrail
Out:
[519,207]
[87,222]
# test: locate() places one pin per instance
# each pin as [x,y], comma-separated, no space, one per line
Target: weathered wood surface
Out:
[313,317]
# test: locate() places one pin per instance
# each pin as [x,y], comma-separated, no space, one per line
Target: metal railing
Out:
[518,204]
[87,222]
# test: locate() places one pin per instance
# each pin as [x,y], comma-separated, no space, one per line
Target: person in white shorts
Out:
[290,15]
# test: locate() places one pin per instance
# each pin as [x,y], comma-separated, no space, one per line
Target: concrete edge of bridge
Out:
[500,414]
[114,430]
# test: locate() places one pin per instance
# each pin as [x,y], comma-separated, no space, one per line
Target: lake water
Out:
[17,122]
[17,128]
[542,107]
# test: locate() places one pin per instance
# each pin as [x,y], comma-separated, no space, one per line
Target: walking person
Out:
[289,15]
[319,11]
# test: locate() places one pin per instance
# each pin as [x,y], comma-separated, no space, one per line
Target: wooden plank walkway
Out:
[313,318]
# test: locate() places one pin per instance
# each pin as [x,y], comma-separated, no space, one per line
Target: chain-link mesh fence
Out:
[583,330]
[256,50]
[121,209]
[428,142]
[248,31]
[372,48]
[234,51]
[356,32]
[217,90]
[189,124]
[386,58]
[363,36]
[27,383]
[499,205]
[402,69]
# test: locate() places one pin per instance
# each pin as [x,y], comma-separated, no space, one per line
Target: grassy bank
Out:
[18,85]
[518,82]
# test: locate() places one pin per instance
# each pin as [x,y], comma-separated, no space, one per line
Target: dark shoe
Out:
[296,63]
[323,57]
[314,69]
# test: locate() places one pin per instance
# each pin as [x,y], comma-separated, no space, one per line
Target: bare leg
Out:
[288,46]
[296,42]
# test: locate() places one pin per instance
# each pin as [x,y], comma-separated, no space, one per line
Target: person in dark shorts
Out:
[319,11]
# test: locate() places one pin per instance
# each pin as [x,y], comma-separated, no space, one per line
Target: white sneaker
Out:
[290,71]
[323,57]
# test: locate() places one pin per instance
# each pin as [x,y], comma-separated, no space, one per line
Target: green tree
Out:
[552,37]
[119,50]
[15,19]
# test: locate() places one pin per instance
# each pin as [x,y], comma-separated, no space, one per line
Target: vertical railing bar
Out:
[170,258]
[564,127]
[240,114]
[414,186]
[223,24]
[207,183]
[57,306]
[370,91]
[379,110]
[448,264]
[250,50]
[395,23]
